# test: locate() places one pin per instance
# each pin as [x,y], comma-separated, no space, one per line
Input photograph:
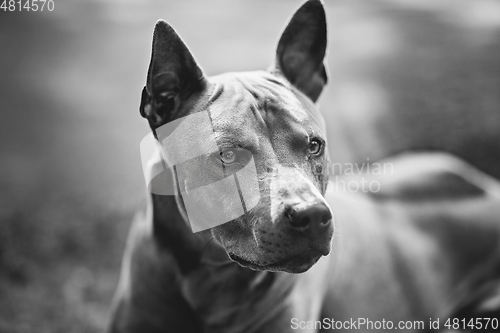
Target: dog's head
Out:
[268,152]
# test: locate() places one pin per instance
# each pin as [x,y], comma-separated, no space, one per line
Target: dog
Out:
[400,255]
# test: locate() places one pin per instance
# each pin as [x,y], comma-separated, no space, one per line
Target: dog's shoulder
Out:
[149,283]
[432,177]
[143,254]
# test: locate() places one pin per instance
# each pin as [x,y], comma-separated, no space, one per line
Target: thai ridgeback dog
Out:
[406,255]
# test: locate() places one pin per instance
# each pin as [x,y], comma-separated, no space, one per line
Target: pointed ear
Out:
[173,76]
[301,49]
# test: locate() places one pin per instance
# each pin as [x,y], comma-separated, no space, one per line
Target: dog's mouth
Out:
[296,264]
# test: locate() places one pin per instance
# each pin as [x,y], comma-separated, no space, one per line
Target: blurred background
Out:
[404,74]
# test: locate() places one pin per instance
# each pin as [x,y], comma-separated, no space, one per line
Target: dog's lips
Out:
[295,264]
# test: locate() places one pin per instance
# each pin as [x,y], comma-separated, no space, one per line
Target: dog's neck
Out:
[223,294]
[217,288]
[172,233]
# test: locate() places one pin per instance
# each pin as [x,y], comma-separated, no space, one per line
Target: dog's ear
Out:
[301,49]
[173,76]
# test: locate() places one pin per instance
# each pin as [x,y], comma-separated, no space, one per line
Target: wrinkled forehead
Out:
[246,106]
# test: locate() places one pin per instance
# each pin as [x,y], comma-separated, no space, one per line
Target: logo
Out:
[184,159]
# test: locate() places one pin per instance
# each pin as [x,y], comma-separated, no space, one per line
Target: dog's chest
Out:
[235,299]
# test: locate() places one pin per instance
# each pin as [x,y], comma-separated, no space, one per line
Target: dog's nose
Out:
[316,217]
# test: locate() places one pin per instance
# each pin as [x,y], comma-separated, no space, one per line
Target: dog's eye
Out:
[228,156]
[314,147]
